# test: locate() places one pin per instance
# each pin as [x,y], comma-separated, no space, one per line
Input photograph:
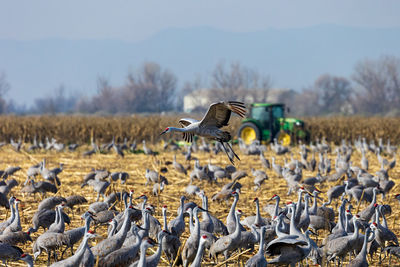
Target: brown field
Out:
[80,129]
[135,164]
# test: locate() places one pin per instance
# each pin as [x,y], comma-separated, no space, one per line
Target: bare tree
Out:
[378,81]
[238,82]
[334,92]
[56,103]
[4,88]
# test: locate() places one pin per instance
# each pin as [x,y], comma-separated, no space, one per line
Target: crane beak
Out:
[163,132]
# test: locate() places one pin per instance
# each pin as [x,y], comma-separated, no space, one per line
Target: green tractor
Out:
[267,121]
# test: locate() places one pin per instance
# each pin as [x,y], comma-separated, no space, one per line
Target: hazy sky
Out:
[137,20]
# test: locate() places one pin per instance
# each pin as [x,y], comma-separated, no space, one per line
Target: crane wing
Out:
[218,114]
[187,136]
[187,121]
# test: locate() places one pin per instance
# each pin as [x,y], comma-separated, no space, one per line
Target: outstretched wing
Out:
[218,114]
[187,121]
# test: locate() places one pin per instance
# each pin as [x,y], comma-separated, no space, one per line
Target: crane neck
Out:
[278,231]
[159,249]
[355,234]
[237,233]
[346,225]
[17,217]
[125,225]
[61,220]
[262,236]
[196,225]
[231,214]
[181,211]
[258,216]
[112,231]
[82,247]
[363,251]
[276,205]
[164,213]
[293,228]
[12,217]
[199,255]
[384,222]
[314,207]
[191,226]
[306,212]
[374,191]
[142,260]
[377,217]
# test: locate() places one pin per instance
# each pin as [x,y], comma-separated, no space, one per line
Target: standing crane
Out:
[217,116]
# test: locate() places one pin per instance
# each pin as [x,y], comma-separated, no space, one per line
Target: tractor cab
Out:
[267,121]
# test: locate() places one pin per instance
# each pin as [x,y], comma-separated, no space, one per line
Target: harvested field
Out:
[76,166]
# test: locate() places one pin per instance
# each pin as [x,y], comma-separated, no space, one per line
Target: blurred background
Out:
[123,57]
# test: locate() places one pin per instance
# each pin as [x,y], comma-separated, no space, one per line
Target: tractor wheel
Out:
[249,132]
[284,138]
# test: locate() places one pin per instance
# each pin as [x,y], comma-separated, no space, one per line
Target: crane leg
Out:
[227,153]
[230,147]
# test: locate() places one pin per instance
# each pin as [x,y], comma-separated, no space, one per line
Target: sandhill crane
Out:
[15,225]
[58,226]
[191,245]
[153,260]
[264,161]
[4,201]
[146,243]
[257,219]
[115,242]
[77,257]
[49,242]
[147,150]
[171,242]
[9,252]
[273,210]
[199,255]
[10,171]
[178,167]
[6,223]
[226,191]
[259,178]
[258,260]
[76,234]
[339,247]
[125,255]
[99,186]
[44,218]
[289,250]
[217,116]
[207,224]
[28,259]
[74,200]
[177,225]
[231,218]
[158,187]
[193,229]
[15,238]
[227,243]
[50,203]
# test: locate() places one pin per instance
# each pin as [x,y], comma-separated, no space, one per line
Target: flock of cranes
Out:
[338,211]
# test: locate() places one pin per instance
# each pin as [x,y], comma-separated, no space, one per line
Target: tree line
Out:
[372,89]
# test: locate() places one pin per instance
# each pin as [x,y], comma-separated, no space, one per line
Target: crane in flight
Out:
[217,116]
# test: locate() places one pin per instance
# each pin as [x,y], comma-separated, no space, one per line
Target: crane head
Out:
[167,130]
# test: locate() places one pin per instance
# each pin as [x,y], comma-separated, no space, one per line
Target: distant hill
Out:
[293,57]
